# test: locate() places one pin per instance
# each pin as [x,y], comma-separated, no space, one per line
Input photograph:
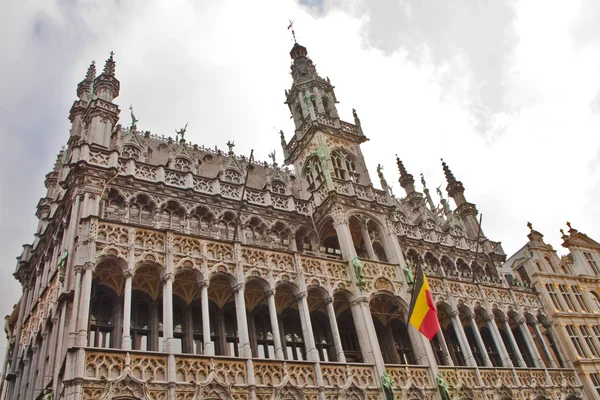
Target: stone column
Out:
[513,343]
[367,239]
[309,340]
[462,339]
[537,359]
[544,346]
[126,342]
[274,324]
[240,311]
[445,351]
[84,304]
[479,340]
[168,313]
[559,347]
[209,348]
[335,332]
[506,361]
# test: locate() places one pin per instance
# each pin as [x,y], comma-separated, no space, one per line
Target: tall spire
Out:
[406,179]
[454,187]
[109,66]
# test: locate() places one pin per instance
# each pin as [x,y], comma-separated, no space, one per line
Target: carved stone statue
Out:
[48,394]
[356,119]
[282,137]
[230,145]
[388,386]
[423,180]
[443,387]
[439,191]
[358,268]
[272,157]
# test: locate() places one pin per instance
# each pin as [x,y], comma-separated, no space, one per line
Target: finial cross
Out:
[291,26]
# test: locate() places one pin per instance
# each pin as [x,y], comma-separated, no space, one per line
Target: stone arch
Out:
[306,239]
[329,240]
[432,264]
[287,392]
[109,272]
[448,266]
[186,283]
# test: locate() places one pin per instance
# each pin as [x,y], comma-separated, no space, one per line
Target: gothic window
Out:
[201,221]
[131,152]
[141,327]
[305,240]
[232,176]
[432,264]
[379,251]
[255,231]
[592,262]
[298,114]
[293,338]
[322,335]
[523,276]
[182,164]
[280,236]
[344,166]
[550,264]
[278,187]
[102,317]
[264,333]
[463,269]
[114,207]
[172,216]
[576,340]
[227,225]
[314,173]
[142,210]
[448,266]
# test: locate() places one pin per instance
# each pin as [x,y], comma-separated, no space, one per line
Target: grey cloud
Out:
[473,40]
[585,29]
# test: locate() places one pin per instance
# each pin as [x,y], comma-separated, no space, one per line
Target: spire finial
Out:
[109,66]
[401,166]
[530,226]
[91,72]
[406,179]
[291,26]
[569,224]
[449,175]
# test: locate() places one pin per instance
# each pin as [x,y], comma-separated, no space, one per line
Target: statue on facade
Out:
[272,157]
[48,394]
[423,181]
[439,191]
[358,268]
[388,386]
[282,137]
[356,119]
[181,132]
[408,274]
[443,387]
[134,120]
[230,145]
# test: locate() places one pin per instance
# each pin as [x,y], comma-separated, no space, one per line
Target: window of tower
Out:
[102,317]
[232,176]
[182,164]
[313,172]
[344,166]
[131,152]
[327,106]
[278,187]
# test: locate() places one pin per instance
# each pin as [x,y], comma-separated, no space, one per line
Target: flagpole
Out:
[239,213]
[477,246]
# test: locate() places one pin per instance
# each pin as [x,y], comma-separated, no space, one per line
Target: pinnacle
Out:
[449,175]
[401,167]
[91,72]
[109,66]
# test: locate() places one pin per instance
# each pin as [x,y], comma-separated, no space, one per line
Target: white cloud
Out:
[512,119]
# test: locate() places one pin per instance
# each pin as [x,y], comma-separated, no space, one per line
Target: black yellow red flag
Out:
[423,314]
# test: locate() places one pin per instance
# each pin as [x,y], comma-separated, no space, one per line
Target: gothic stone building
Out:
[570,290]
[165,270]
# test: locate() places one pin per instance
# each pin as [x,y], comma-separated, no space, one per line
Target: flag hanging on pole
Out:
[423,314]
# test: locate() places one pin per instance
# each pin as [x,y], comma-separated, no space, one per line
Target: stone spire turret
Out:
[83,88]
[465,210]
[106,85]
[408,184]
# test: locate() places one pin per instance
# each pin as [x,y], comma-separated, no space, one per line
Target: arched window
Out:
[327,106]
[313,173]
[130,152]
[114,207]
[102,317]
[538,266]
[182,164]
[344,166]
[172,216]
[278,187]
[141,327]
[232,176]
[348,337]
[550,264]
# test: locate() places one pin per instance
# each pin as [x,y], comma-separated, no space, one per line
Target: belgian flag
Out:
[423,314]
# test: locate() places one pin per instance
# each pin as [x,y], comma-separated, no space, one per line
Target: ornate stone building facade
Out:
[569,287]
[166,270]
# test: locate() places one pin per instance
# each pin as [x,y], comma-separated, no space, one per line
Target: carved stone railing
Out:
[403,376]
[341,375]
[273,373]
[381,276]
[460,376]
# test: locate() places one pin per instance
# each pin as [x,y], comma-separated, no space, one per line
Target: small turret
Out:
[85,87]
[465,210]
[408,184]
[106,85]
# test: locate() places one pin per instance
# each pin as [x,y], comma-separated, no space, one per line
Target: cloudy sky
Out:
[507,92]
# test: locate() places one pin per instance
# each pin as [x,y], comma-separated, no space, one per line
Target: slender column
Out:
[462,339]
[479,340]
[311,351]
[335,332]
[544,346]
[84,304]
[367,240]
[559,348]
[445,351]
[537,359]
[168,313]
[513,343]
[126,342]
[274,324]
[242,322]
[506,361]
[209,347]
